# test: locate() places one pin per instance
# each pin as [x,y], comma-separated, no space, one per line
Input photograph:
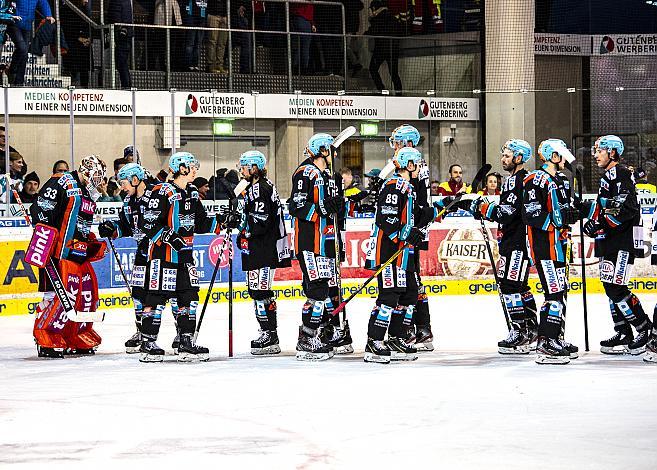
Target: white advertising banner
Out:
[54,102]
[562,44]
[597,44]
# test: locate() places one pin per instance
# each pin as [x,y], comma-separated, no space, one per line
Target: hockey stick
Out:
[243,184]
[230,298]
[579,177]
[118,262]
[480,175]
[57,283]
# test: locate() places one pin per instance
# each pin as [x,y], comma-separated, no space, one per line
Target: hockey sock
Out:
[421,316]
[633,312]
[311,313]
[328,317]
[150,323]
[187,318]
[139,312]
[397,321]
[619,320]
[551,314]
[529,305]
[266,313]
[515,308]
[379,321]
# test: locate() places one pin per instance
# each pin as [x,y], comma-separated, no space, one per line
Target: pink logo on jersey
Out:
[215,254]
[88,207]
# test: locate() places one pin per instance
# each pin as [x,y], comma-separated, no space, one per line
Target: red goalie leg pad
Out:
[49,324]
[80,280]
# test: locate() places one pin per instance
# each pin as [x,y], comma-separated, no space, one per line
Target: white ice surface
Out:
[462,406]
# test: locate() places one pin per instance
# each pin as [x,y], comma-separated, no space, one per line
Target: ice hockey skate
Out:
[188,351]
[400,350]
[515,343]
[651,351]
[376,351]
[550,351]
[150,352]
[638,345]
[338,338]
[310,347]
[133,344]
[423,339]
[617,344]
[265,344]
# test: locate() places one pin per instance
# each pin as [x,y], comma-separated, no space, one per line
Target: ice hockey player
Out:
[548,214]
[513,265]
[395,229]
[131,179]
[613,218]
[314,201]
[65,208]
[264,245]
[172,214]
[420,331]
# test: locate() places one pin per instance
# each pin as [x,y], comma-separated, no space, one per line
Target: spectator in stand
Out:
[118,164]
[352,9]
[130,155]
[60,166]
[109,191]
[203,187]
[195,17]
[7,17]
[455,183]
[21,35]
[301,21]
[120,11]
[383,23]
[217,18]
[493,184]
[157,37]
[240,18]
[435,184]
[30,188]
[76,30]
[17,169]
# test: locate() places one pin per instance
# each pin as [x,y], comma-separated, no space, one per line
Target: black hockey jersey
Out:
[422,187]
[508,213]
[128,224]
[64,203]
[394,221]
[168,207]
[617,231]
[544,196]
[263,238]
[313,228]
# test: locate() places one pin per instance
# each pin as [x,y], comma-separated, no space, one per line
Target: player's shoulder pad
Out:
[399,183]
[65,180]
[309,171]
[612,173]
[193,191]
[164,189]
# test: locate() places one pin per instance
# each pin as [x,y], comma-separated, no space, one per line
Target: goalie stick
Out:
[477,179]
[58,284]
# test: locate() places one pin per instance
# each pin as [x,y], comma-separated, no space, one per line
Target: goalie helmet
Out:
[519,148]
[129,170]
[558,146]
[406,155]
[404,134]
[253,157]
[318,141]
[93,169]
[609,142]
[179,159]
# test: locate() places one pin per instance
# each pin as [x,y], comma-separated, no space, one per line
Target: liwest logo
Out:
[192,105]
[423,109]
[40,245]
[607,45]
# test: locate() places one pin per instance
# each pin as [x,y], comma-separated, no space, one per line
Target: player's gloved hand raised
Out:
[444,203]
[174,240]
[228,219]
[584,208]
[475,207]
[569,215]
[591,228]
[332,205]
[107,229]
[415,237]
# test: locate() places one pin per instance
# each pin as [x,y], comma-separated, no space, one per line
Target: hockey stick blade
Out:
[344,135]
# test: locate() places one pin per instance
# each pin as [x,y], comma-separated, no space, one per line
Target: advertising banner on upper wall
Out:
[118,103]
[597,44]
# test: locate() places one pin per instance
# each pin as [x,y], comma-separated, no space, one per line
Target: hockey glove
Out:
[591,228]
[462,204]
[331,205]
[174,240]
[444,202]
[569,215]
[359,196]
[228,219]
[107,229]
[584,208]
[475,208]
[614,205]
[415,237]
